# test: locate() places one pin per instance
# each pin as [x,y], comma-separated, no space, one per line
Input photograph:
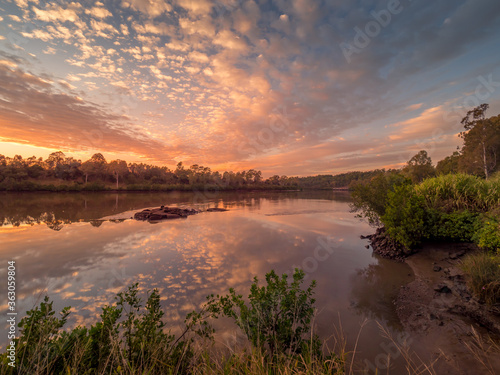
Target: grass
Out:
[460,192]
[483,276]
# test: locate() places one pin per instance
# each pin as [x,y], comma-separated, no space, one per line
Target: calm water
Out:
[63,248]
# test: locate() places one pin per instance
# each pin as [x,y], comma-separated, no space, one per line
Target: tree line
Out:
[97,172]
[478,156]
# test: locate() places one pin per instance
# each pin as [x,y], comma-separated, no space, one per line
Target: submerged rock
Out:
[167,213]
[216,209]
[164,213]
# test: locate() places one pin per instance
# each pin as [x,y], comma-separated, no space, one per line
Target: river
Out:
[81,249]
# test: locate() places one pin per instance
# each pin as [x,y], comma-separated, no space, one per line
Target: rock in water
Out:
[164,213]
[216,209]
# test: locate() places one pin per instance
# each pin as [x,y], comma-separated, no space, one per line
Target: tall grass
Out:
[460,192]
[483,276]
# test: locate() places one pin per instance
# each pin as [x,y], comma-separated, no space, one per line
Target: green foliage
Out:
[449,164]
[460,192]
[483,276]
[370,198]
[278,315]
[481,142]
[447,207]
[132,338]
[419,167]
[487,235]
[128,335]
[455,226]
[404,216]
[38,349]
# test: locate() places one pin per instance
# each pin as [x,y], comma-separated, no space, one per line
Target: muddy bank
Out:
[440,312]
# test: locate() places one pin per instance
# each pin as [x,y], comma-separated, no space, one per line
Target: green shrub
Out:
[370,199]
[279,315]
[457,226]
[404,217]
[131,338]
[483,276]
[487,235]
[128,336]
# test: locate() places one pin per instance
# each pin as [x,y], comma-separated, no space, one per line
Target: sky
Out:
[288,87]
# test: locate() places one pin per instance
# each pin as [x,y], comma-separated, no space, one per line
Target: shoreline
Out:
[192,190]
[440,312]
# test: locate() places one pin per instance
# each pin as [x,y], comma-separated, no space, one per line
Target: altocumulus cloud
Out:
[217,74]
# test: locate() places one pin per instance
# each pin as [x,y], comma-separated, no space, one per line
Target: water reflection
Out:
[375,288]
[58,209]
[85,265]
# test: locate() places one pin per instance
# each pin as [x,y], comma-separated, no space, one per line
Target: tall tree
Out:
[118,168]
[449,164]
[96,166]
[419,167]
[481,141]
[54,160]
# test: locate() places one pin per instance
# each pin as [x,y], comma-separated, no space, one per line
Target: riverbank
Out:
[440,311]
[59,186]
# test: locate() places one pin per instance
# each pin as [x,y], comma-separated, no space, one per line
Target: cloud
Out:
[103,29]
[33,112]
[149,27]
[54,12]
[151,8]
[196,6]
[13,17]
[99,12]
[220,74]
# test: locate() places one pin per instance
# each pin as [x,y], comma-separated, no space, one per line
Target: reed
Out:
[483,276]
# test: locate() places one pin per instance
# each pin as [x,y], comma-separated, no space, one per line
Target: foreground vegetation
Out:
[132,338]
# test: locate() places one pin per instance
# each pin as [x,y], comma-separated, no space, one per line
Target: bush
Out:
[487,235]
[404,217]
[370,198]
[279,315]
[131,338]
[128,336]
[483,276]
[457,226]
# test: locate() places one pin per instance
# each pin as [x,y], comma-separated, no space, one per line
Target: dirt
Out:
[442,315]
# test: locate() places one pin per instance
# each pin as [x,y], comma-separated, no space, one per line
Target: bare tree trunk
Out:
[86,177]
[484,161]
[117,177]
[483,143]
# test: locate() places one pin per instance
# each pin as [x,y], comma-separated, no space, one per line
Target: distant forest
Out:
[478,156]
[61,173]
